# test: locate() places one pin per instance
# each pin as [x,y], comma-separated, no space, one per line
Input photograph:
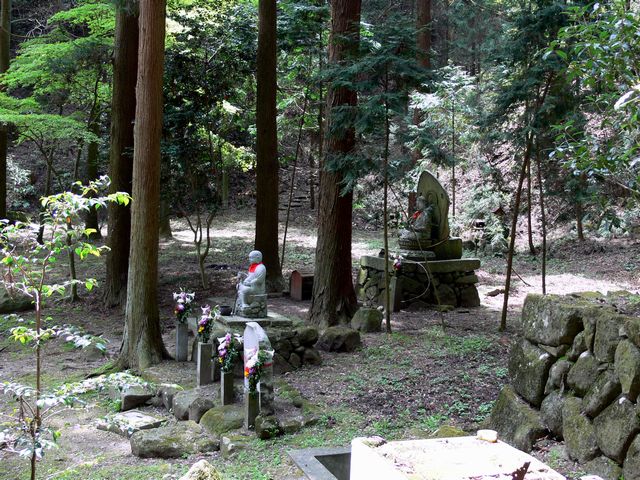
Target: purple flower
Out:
[180,307]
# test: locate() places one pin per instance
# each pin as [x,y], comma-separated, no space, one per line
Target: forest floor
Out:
[435,369]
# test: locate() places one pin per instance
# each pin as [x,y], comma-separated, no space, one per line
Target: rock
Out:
[202,470]
[515,421]
[181,403]
[199,407]
[607,338]
[557,375]
[174,441]
[267,427]
[578,347]
[528,369]
[233,443]
[469,279]
[16,302]
[589,322]
[291,425]
[446,295]
[631,465]
[578,432]
[283,347]
[167,392]
[280,365]
[223,419]
[604,467]
[308,336]
[555,352]
[133,396]
[551,412]
[627,367]
[92,353]
[367,320]
[295,360]
[339,339]
[632,327]
[551,319]
[447,431]
[580,377]
[469,297]
[615,428]
[603,391]
[128,423]
[312,357]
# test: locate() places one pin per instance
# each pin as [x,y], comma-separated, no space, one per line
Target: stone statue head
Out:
[420,202]
[255,256]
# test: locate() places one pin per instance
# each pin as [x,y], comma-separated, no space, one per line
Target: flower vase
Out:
[203,365]
[226,387]
[182,341]
[251,409]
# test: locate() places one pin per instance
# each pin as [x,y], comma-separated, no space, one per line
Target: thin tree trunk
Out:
[579,225]
[142,341]
[91,218]
[453,154]
[123,109]
[47,192]
[543,221]
[512,240]
[267,165]
[423,50]
[334,299]
[5,44]
[532,248]
[164,227]
[385,169]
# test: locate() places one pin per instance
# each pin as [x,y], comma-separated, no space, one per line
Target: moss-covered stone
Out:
[632,328]
[627,367]
[528,369]
[604,467]
[202,470]
[557,375]
[615,428]
[267,427]
[232,443]
[515,421]
[173,441]
[181,402]
[448,431]
[631,465]
[607,335]
[16,302]
[580,377]
[339,339]
[367,320]
[578,432]
[551,412]
[578,347]
[551,319]
[603,391]
[223,419]
[308,336]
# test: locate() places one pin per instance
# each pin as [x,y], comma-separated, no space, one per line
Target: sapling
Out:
[27,267]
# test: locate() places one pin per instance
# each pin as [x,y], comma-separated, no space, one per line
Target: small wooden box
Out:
[301,284]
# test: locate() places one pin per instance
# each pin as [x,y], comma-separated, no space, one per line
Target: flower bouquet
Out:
[253,368]
[183,305]
[205,324]
[228,351]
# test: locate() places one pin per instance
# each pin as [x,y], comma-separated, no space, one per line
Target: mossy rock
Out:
[173,441]
[448,431]
[553,319]
[580,377]
[223,419]
[604,467]
[578,431]
[603,391]
[528,368]
[615,428]
[627,367]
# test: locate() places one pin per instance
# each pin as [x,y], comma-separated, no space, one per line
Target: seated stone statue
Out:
[420,226]
[252,298]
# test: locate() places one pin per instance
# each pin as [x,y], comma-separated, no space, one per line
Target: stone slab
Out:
[460,458]
[435,266]
[273,320]
[127,423]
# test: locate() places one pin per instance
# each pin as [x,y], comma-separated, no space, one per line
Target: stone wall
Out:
[575,375]
[454,281]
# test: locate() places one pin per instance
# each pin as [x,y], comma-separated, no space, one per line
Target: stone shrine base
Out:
[452,280]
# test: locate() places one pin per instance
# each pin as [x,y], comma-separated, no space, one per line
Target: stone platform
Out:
[447,282]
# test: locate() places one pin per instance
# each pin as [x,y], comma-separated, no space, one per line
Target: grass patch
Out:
[91,471]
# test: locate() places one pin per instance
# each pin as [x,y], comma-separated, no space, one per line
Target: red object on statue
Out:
[253,267]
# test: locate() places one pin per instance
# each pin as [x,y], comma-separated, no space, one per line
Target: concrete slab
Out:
[323,463]
[460,458]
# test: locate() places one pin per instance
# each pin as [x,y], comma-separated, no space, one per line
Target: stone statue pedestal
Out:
[251,409]
[203,365]
[182,341]
[256,309]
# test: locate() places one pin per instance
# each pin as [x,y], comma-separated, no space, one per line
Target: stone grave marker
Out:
[256,339]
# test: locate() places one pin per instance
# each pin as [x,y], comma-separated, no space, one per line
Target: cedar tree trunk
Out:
[334,299]
[142,343]
[123,110]
[267,165]
[5,43]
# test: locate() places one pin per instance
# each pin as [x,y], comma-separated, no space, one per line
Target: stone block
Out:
[291,425]
[551,319]
[603,467]
[181,403]
[627,367]
[167,391]
[603,391]
[280,365]
[551,412]
[557,375]
[267,427]
[449,266]
[14,302]
[202,470]
[128,423]
[515,421]
[173,441]
[631,465]
[468,279]
[308,336]
[367,320]
[589,322]
[311,357]
[223,419]
[580,377]
[607,336]
[339,339]
[283,347]
[528,369]
[632,328]
[469,297]
[578,432]
[199,407]
[555,352]
[295,361]
[133,396]
[616,427]
[233,443]
[446,295]
[578,347]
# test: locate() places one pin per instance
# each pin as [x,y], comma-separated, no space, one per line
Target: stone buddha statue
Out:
[252,298]
[420,228]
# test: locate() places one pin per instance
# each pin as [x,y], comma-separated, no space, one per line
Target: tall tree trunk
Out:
[142,343]
[123,110]
[543,221]
[423,51]
[5,44]
[334,299]
[91,218]
[267,164]
[164,227]
[532,247]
